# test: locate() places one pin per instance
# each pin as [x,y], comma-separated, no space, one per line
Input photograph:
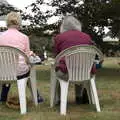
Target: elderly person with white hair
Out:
[13,37]
[70,35]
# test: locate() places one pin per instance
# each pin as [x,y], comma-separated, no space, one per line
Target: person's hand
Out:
[32,53]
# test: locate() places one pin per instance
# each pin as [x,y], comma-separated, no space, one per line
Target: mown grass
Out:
[108,85]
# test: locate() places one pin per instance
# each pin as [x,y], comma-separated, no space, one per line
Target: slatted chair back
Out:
[79,61]
[9,57]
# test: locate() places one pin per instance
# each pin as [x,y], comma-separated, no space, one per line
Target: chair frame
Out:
[9,58]
[89,81]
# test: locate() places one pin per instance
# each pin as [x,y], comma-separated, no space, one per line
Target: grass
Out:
[108,85]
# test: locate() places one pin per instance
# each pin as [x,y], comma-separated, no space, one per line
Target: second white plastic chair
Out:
[79,61]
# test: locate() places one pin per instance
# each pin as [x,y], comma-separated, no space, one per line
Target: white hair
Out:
[70,23]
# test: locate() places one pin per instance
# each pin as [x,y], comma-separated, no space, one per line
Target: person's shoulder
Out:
[85,35]
[62,35]
[57,36]
[23,35]
[2,34]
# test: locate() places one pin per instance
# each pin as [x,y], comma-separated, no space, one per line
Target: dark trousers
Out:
[81,94]
[4,92]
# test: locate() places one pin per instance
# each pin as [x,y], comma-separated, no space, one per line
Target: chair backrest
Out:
[9,58]
[79,61]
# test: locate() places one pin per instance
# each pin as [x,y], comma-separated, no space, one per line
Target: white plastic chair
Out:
[79,61]
[9,57]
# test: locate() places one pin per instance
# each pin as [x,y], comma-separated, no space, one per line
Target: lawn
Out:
[108,85]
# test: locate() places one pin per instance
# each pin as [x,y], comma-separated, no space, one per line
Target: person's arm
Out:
[27,47]
[91,42]
[56,46]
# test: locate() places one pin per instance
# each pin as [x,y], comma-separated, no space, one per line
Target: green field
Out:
[108,85]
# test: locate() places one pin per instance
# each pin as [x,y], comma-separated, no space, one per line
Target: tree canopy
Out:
[95,15]
[5,8]
[92,13]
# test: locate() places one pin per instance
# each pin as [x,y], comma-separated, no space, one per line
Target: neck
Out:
[14,27]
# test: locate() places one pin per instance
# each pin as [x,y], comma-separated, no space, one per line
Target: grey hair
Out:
[13,19]
[70,23]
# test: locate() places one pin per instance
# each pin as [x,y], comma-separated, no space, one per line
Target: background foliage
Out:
[92,13]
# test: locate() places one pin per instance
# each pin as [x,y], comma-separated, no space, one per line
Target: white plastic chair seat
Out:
[9,57]
[79,61]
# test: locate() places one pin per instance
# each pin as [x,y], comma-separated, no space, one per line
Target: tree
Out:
[37,19]
[89,12]
[5,8]
[37,42]
[111,12]
[92,13]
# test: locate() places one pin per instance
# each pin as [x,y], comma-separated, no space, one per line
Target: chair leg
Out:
[57,93]
[64,92]
[89,92]
[29,84]
[33,85]
[87,86]
[53,86]
[94,91]
[22,94]
[92,95]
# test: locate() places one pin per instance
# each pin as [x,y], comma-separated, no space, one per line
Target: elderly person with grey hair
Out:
[13,37]
[70,35]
